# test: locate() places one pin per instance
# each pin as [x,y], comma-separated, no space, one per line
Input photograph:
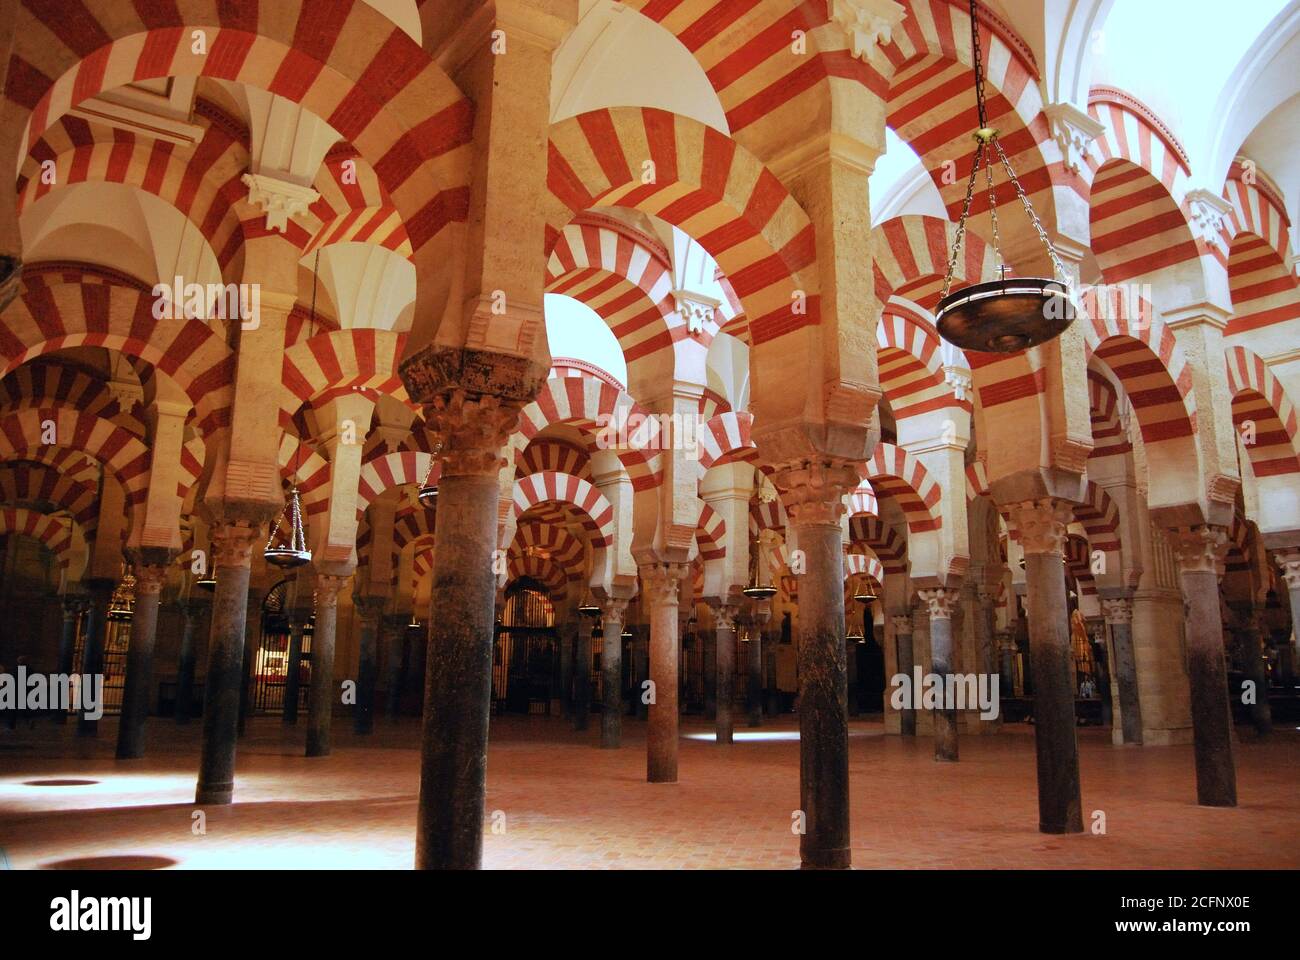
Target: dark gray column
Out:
[754,662]
[252,642]
[393,637]
[611,673]
[660,583]
[568,639]
[73,608]
[191,611]
[1251,644]
[93,640]
[1041,525]
[582,660]
[370,609]
[323,691]
[641,658]
[1289,561]
[709,671]
[293,674]
[231,554]
[813,496]
[1119,618]
[903,642]
[1198,549]
[724,674]
[1007,649]
[940,603]
[138,687]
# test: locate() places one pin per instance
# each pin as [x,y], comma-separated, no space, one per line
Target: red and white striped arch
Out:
[390,470]
[911,259]
[59,534]
[549,541]
[25,483]
[303,467]
[863,501]
[1100,518]
[341,363]
[625,277]
[547,572]
[710,534]
[704,183]
[589,403]
[1140,175]
[977,479]
[726,439]
[1109,438]
[856,564]
[596,512]
[554,454]
[893,472]
[353,206]
[51,384]
[1259,398]
[1263,287]
[884,540]
[1078,560]
[766,516]
[118,451]
[1128,336]
[910,363]
[44,319]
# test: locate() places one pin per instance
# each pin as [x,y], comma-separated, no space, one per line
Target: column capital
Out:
[613,608]
[902,624]
[724,616]
[1117,610]
[471,431]
[939,601]
[149,578]
[327,589]
[1198,549]
[661,582]
[370,606]
[1289,561]
[813,491]
[232,543]
[1041,524]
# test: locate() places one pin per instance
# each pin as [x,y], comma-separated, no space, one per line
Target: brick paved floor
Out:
[567,804]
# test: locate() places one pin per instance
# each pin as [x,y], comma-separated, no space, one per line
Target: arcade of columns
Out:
[1150,453]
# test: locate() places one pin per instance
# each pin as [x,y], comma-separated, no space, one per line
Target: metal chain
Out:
[1033,217]
[979,66]
[999,262]
[961,222]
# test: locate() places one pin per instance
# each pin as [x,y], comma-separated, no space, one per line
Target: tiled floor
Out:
[564,803]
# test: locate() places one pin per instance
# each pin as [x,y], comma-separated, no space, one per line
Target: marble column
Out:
[613,613]
[252,643]
[641,659]
[582,657]
[1007,655]
[754,692]
[293,670]
[1198,550]
[940,602]
[1041,525]
[814,498]
[1251,637]
[323,691]
[660,583]
[370,608]
[94,637]
[906,661]
[708,672]
[458,673]
[395,627]
[1119,618]
[232,546]
[725,646]
[568,638]
[138,687]
[73,608]
[191,611]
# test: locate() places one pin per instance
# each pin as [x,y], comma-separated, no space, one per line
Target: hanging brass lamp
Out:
[756,589]
[121,606]
[866,593]
[1009,313]
[428,495]
[293,552]
[588,606]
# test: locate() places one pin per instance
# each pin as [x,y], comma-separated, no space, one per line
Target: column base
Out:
[836,859]
[215,795]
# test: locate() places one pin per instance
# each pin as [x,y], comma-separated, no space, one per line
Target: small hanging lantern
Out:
[588,607]
[756,589]
[866,594]
[428,495]
[626,634]
[121,606]
[1009,313]
[208,581]
[294,552]
[855,635]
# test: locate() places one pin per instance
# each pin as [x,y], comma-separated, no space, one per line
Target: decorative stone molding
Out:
[1209,213]
[696,309]
[614,608]
[1071,453]
[1041,524]
[868,24]
[939,601]
[232,544]
[1074,131]
[724,616]
[278,199]
[327,590]
[902,626]
[960,379]
[1117,610]
[814,492]
[1198,549]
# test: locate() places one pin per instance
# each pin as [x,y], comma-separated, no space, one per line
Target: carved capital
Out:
[939,601]
[1073,131]
[867,24]
[232,544]
[74,607]
[614,609]
[327,590]
[1198,549]
[149,579]
[661,582]
[471,432]
[1041,524]
[814,491]
[278,199]
[369,606]
[902,626]
[1118,610]
[1209,212]
[1290,564]
[696,309]
[724,616]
